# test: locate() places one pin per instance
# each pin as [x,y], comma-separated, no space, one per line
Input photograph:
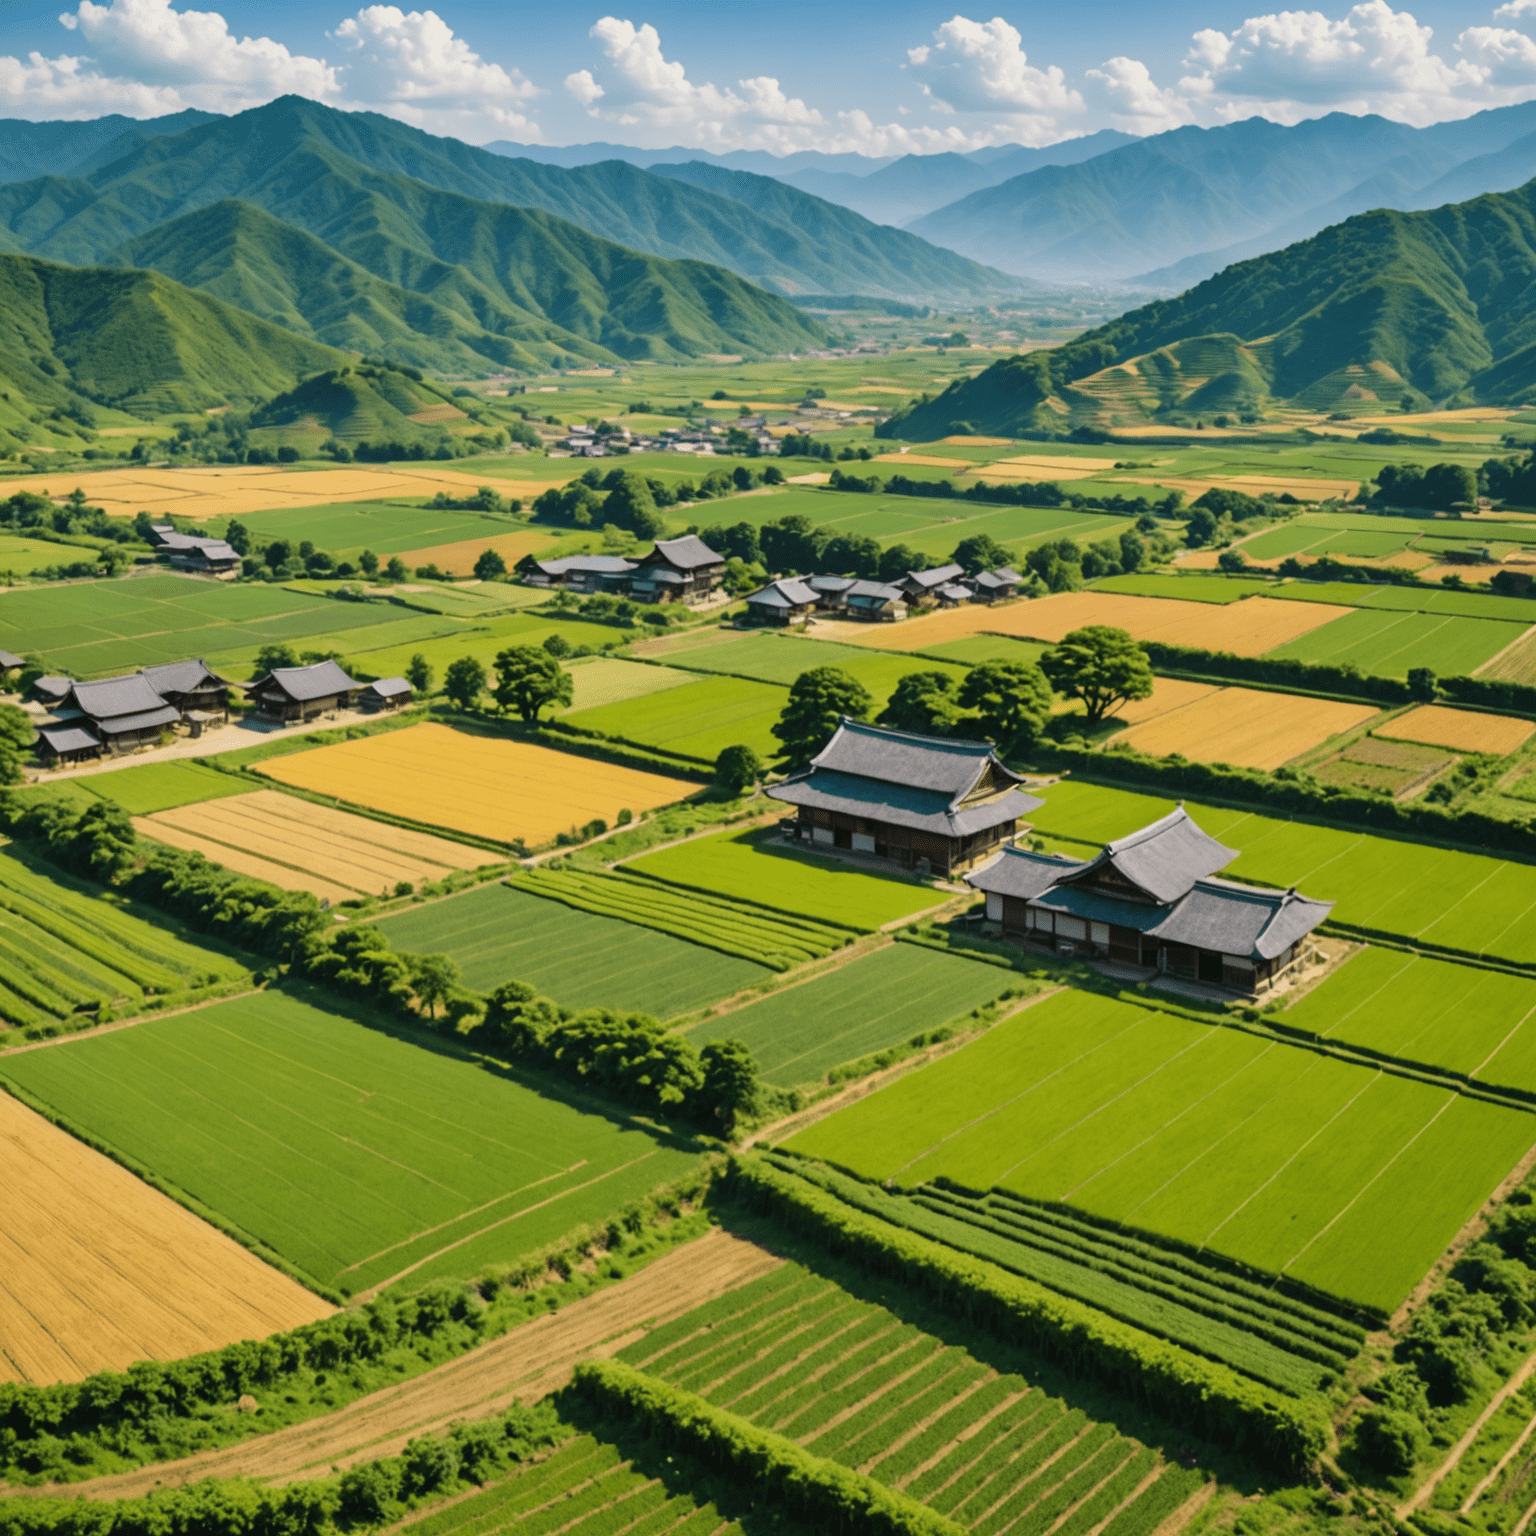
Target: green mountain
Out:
[76,337]
[273,155]
[362,400]
[1438,307]
[72,148]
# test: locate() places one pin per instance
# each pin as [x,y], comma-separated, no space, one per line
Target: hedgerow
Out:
[1189,1389]
[825,1495]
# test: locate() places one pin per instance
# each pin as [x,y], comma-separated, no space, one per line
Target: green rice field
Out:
[347,528]
[781,659]
[1472,903]
[359,1157]
[598,680]
[21,556]
[580,959]
[1193,588]
[1436,600]
[1345,1179]
[696,721]
[856,1382]
[152,787]
[67,949]
[879,1000]
[752,866]
[1390,644]
[975,649]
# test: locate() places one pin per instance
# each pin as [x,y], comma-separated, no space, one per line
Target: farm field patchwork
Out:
[1348,1180]
[457,558]
[1318,536]
[857,1383]
[1462,730]
[782,658]
[359,1157]
[68,949]
[483,785]
[159,786]
[1439,600]
[300,846]
[696,721]
[753,866]
[580,959]
[600,680]
[387,527]
[102,1270]
[1194,589]
[1432,1011]
[1470,902]
[1371,762]
[879,1000]
[1390,643]
[21,556]
[974,650]
[1247,727]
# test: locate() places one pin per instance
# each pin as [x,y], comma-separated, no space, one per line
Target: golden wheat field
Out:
[1462,730]
[235,489]
[301,846]
[1247,727]
[98,1270]
[459,559]
[507,790]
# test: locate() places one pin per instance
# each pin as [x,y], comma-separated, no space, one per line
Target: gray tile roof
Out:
[215,549]
[956,594]
[874,592]
[831,583]
[786,592]
[166,714]
[1023,873]
[182,676]
[53,687]
[603,565]
[688,553]
[923,810]
[991,581]
[939,576]
[69,738]
[1164,858]
[303,684]
[390,687]
[940,763]
[111,698]
[9,659]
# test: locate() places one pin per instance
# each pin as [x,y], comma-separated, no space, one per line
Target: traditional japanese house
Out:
[123,712]
[580,573]
[994,586]
[51,690]
[929,803]
[677,570]
[925,586]
[192,686]
[188,552]
[1152,899]
[65,745]
[831,591]
[875,601]
[782,601]
[302,693]
[386,693]
[10,661]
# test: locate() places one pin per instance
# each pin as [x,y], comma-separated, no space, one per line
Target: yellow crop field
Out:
[1247,727]
[1249,627]
[234,489]
[979,442]
[1034,469]
[1462,730]
[1168,693]
[101,1270]
[932,460]
[459,559]
[1515,663]
[507,790]
[301,846]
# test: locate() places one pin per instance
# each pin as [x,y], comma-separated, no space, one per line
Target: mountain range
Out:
[1427,309]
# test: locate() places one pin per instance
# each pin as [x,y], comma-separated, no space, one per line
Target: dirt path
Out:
[521,1366]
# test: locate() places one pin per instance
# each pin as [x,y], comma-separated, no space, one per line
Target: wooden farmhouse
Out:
[1151,900]
[875,601]
[928,803]
[384,694]
[682,570]
[187,552]
[66,745]
[192,686]
[782,602]
[122,712]
[302,693]
[994,586]
[931,585]
[578,573]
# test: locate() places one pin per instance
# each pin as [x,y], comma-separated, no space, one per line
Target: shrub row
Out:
[1314,677]
[824,1495]
[1213,1399]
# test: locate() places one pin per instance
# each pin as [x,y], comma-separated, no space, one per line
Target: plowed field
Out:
[98,1270]
[1462,730]
[1246,727]
[305,847]
[478,784]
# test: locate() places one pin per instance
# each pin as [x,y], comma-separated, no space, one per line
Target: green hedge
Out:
[1313,677]
[826,1496]
[1210,1397]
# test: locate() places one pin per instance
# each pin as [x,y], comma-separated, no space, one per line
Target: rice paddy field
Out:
[754,866]
[361,1158]
[879,1000]
[297,845]
[860,1382]
[599,680]
[152,787]
[1391,643]
[580,959]
[69,950]
[482,785]
[1348,1180]
[387,527]
[1462,730]
[1468,902]
[696,721]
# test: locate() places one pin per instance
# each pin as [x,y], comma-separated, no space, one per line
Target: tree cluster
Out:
[1063,565]
[1432,488]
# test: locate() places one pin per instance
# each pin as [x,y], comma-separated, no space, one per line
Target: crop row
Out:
[1194,1324]
[735,928]
[1202,1293]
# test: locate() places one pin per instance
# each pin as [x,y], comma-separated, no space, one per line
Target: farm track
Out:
[523,1365]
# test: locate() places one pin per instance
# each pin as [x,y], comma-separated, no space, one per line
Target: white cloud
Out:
[1136,103]
[411,64]
[976,66]
[1515,8]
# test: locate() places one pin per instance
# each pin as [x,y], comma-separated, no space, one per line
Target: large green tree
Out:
[980,552]
[463,682]
[730,1086]
[923,702]
[1012,700]
[818,700]
[528,678]
[1099,665]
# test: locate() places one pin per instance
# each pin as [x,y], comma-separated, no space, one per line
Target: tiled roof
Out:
[110,698]
[902,805]
[1164,858]
[303,684]
[181,676]
[68,738]
[786,592]
[603,565]
[166,714]
[687,553]
[939,576]
[390,687]
[939,763]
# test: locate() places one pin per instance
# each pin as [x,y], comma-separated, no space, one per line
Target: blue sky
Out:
[871,78]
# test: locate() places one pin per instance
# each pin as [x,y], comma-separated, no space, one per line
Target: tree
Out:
[923,702]
[490,566]
[630,505]
[897,559]
[736,768]
[1012,701]
[792,544]
[105,843]
[1421,684]
[557,646]
[818,700]
[1201,527]
[528,678]
[395,570]
[238,537]
[980,552]
[419,674]
[433,977]
[1100,665]
[1133,550]
[368,563]
[270,657]
[851,554]
[463,682]
[730,1086]
[1233,561]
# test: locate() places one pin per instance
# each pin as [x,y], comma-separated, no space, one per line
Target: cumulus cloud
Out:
[411,64]
[1136,103]
[975,66]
